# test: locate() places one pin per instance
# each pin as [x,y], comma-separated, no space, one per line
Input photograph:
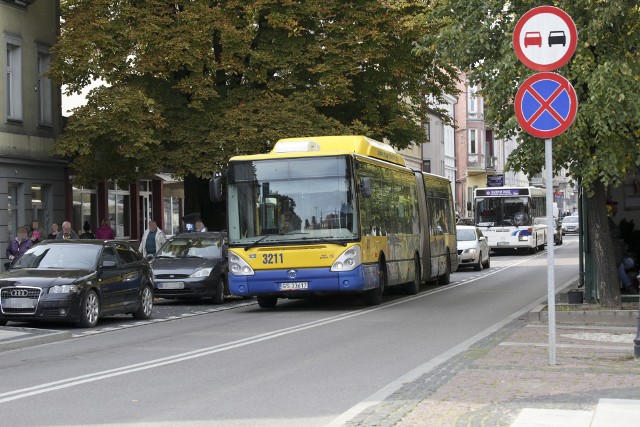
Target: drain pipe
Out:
[636,341]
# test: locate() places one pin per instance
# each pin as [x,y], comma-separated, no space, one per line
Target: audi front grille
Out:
[19,300]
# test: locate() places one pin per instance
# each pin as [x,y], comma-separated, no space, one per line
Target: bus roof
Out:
[329,145]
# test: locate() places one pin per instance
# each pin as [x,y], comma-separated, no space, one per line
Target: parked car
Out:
[192,265]
[473,248]
[570,224]
[76,281]
[557,229]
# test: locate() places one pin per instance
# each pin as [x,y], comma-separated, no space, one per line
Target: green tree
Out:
[190,83]
[603,144]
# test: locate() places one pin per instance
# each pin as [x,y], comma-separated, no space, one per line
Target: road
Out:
[304,363]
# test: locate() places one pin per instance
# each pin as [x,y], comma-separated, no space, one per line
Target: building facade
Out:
[32,182]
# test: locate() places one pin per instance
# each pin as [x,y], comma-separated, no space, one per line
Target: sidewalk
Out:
[506,380]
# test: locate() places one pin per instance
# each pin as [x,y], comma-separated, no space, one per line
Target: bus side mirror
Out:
[365,186]
[215,187]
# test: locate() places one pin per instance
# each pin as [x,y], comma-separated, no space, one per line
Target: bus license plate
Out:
[503,243]
[294,286]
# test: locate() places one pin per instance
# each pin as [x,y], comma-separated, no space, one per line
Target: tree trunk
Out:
[601,244]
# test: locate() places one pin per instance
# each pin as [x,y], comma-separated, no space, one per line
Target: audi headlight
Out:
[349,260]
[203,272]
[238,266]
[63,289]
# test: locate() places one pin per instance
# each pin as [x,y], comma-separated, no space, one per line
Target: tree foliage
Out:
[603,144]
[190,83]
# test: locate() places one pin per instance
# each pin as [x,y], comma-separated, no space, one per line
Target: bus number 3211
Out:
[272,259]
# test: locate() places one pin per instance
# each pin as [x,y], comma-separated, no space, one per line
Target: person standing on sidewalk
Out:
[67,233]
[152,239]
[105,232]
[54,232]
[19,245]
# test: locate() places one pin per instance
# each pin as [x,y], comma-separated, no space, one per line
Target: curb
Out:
[596,317]
[34,340]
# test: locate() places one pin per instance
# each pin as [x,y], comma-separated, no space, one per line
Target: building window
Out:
[45,110]
[172,215]
[473,141]
[426,166]
[427,130]
[85,208]
[472,101]
[119,210]
[12,209]
[13,77]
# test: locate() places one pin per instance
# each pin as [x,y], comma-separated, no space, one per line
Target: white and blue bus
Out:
[506,216]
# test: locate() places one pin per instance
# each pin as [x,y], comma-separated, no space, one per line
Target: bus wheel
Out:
[374,296]
[267,302]
[446,277]
[412,288]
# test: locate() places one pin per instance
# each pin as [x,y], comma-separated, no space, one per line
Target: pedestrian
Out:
[200,227]
[54,232]
[152,239]
[67,233]
[19,245]
[105,232]
[87,231]
[35,233]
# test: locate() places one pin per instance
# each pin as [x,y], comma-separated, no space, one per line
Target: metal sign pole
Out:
[551,294]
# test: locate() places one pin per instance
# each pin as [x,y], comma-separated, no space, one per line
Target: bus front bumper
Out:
[301,282]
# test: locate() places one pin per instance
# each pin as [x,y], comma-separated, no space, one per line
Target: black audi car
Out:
[76,281]
[192,265]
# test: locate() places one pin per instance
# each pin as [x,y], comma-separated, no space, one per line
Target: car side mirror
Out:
[108,264]
[149,257]
[482,239]
[365,186]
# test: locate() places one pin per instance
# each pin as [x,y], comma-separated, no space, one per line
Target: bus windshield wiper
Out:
[254,244]
[325,240]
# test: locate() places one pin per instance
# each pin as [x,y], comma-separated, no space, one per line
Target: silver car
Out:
[570,224]
[473,248]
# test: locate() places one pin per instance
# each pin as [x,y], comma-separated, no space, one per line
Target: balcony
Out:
[479,163]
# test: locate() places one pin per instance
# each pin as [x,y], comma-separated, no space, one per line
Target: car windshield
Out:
[570,220]
[466,235]
[63,257]
[192,247]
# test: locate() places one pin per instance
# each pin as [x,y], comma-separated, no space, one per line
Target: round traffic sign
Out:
[546,105]
[545,38]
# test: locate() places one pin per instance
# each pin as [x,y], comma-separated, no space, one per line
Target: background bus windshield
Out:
[501,211]
[284,200]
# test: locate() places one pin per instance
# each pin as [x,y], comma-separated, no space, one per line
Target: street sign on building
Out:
[495,180]
[545,38]
[546,105]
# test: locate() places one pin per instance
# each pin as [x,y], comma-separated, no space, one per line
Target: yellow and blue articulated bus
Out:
[333,214]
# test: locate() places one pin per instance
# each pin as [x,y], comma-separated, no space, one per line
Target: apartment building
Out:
[32,182]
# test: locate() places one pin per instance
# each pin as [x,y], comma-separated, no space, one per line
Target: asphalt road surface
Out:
[308,362]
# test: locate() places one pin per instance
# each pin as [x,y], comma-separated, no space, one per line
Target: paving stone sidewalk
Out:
[492,381]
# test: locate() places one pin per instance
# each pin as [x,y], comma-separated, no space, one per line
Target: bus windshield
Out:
[291,200]
[502,211]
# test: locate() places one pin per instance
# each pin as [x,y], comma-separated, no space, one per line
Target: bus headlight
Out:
[349,260]
[238,266]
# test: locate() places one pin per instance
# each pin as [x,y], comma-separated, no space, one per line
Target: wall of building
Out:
[32,182]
